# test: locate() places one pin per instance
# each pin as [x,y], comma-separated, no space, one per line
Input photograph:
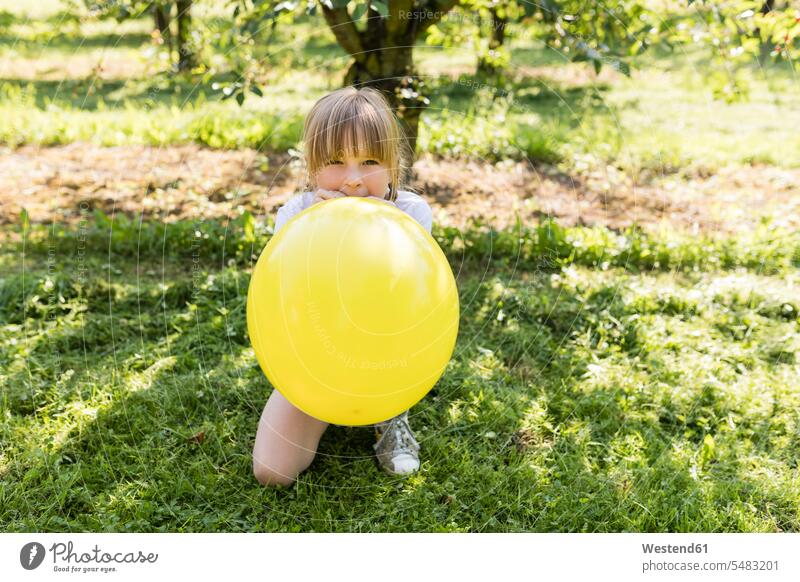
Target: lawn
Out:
[601,382]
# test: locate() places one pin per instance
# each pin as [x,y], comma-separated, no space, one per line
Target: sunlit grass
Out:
[585,393]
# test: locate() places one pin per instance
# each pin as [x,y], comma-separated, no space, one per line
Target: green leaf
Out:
[25,221]
[381,8]
[101,219]
[359,11]
[240,98]
[255,89]
[249,226]
[708,450]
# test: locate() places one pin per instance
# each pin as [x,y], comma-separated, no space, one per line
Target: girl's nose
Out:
[353,179]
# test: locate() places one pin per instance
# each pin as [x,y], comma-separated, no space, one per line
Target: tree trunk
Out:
[496,39]
[161,15]
[391,71]
[383,56]
[186,57]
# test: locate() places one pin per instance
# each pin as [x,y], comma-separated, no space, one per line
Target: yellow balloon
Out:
[353,311]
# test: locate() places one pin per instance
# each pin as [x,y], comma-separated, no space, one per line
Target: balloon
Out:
[352,311]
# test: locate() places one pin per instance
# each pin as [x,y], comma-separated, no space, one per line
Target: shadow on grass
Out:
[72,43]
[88,94]
[522,433]
[535,94]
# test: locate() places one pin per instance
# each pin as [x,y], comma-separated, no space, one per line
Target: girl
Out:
[353,147]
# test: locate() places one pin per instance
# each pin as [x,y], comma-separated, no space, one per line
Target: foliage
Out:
[188,40]
[738,33]
[475,25]
[591,32]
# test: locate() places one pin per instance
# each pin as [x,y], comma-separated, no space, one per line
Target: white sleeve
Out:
[416,207]
[293,207]
[426,217]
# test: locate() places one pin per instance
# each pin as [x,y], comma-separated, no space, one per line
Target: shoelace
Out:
[403,435]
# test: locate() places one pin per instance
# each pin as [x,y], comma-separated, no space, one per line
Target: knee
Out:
[271,478]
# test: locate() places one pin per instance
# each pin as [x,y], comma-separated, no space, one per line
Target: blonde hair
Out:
[354,122]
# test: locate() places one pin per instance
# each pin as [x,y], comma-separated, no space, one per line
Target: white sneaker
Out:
[397,450]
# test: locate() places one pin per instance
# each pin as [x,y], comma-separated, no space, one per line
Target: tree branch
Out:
[344,29]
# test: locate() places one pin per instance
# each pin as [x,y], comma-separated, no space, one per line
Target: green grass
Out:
[601,382]
[211,124]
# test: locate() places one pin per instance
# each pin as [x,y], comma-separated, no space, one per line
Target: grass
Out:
[662,119]
[594,387]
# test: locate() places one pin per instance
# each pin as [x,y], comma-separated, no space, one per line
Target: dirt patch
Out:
[172,183]
[166,183]
[733,199]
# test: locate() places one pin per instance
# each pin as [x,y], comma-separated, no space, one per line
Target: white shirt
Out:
[412,204]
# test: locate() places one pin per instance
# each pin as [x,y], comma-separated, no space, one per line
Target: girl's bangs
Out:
[358,133]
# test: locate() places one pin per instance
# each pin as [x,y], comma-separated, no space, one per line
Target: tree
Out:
[162,16]
[580,30]
[738,33]
[186,55]
[492,61]
[383,49]
[379,36]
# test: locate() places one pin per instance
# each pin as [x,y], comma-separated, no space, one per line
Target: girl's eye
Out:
[334,162]
[372,162]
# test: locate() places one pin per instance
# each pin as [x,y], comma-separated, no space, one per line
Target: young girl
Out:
[353,147]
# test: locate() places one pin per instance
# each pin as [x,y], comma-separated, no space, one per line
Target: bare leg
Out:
[286,442]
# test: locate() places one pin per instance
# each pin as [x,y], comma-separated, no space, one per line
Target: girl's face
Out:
[354,176]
